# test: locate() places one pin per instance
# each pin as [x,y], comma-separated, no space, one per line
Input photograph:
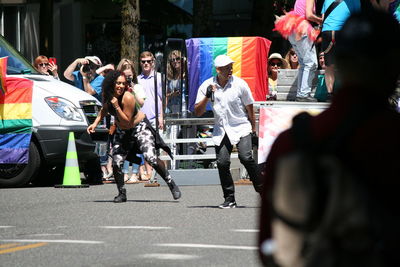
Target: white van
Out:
[57,109]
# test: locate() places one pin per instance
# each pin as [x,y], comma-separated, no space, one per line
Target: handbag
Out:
[321,93]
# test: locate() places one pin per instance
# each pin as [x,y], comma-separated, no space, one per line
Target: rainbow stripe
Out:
[3,71]
[250,56]
[15,121]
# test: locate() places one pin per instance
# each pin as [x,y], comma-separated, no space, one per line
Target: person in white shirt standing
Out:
[232,104]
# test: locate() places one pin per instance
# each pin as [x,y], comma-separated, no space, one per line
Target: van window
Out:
[16,64]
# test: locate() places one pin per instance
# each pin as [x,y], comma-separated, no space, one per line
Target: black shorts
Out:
[328,47]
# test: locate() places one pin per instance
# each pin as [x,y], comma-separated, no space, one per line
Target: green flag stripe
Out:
[15,126]
[220,47]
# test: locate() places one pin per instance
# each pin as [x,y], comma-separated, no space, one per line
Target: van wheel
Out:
[14,175]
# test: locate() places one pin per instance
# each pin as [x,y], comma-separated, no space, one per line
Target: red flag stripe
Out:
[18,91]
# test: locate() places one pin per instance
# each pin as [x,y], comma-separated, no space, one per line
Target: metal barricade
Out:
[173,139]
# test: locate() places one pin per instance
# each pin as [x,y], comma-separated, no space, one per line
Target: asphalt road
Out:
[83,227]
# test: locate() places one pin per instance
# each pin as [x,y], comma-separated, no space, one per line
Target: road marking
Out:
[8,245]
[14,249]
[169,256]
[52,241]
[137,227]
[245,230]
[207,246]
[6,226]
[44,235]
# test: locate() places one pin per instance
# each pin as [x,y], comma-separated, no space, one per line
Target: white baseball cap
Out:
[94,59]
[222,60]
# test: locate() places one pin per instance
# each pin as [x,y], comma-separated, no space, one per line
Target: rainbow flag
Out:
[3,72]
[15,121]
[249,53]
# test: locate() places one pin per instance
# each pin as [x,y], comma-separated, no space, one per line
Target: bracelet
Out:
[117,107]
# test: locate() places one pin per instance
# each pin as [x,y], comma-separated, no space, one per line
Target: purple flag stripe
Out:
[14,155]
[192,46]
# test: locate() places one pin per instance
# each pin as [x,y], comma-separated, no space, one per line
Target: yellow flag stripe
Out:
[235,53]
[10,250]
[16,111]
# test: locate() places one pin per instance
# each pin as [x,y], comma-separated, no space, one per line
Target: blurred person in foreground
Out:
[235,124]
[372,150]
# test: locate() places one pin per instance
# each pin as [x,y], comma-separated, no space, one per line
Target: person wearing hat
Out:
[86,77]
[232,104]
[275,62]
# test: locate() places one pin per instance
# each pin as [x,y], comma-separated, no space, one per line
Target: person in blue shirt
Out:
[86,77]
[332,23]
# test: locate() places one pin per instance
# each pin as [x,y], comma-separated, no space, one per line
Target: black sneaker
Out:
[227,205]
[121,196]
[176,193]
[306,99]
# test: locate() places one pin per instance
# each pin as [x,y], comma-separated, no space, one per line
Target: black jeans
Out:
[223,152]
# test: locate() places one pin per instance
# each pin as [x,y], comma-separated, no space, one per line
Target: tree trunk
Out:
[203,24]
[130,16]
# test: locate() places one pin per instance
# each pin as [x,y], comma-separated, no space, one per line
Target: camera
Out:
[129,80]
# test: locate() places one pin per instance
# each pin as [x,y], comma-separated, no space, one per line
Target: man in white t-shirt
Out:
[232,105]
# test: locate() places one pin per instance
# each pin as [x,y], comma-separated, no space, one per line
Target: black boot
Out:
[119,180]
[121,196]
[163,172]
[176,193]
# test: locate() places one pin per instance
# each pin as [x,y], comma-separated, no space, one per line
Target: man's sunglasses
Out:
[147,61]
[43,64]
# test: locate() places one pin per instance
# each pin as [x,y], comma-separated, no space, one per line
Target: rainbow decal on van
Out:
[249,53]
[15,121]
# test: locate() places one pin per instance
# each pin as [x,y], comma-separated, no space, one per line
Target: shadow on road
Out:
[140,200]
[216,207]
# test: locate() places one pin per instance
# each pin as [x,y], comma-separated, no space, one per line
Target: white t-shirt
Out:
[229,108]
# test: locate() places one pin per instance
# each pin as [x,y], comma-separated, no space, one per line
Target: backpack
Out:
[320,204]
